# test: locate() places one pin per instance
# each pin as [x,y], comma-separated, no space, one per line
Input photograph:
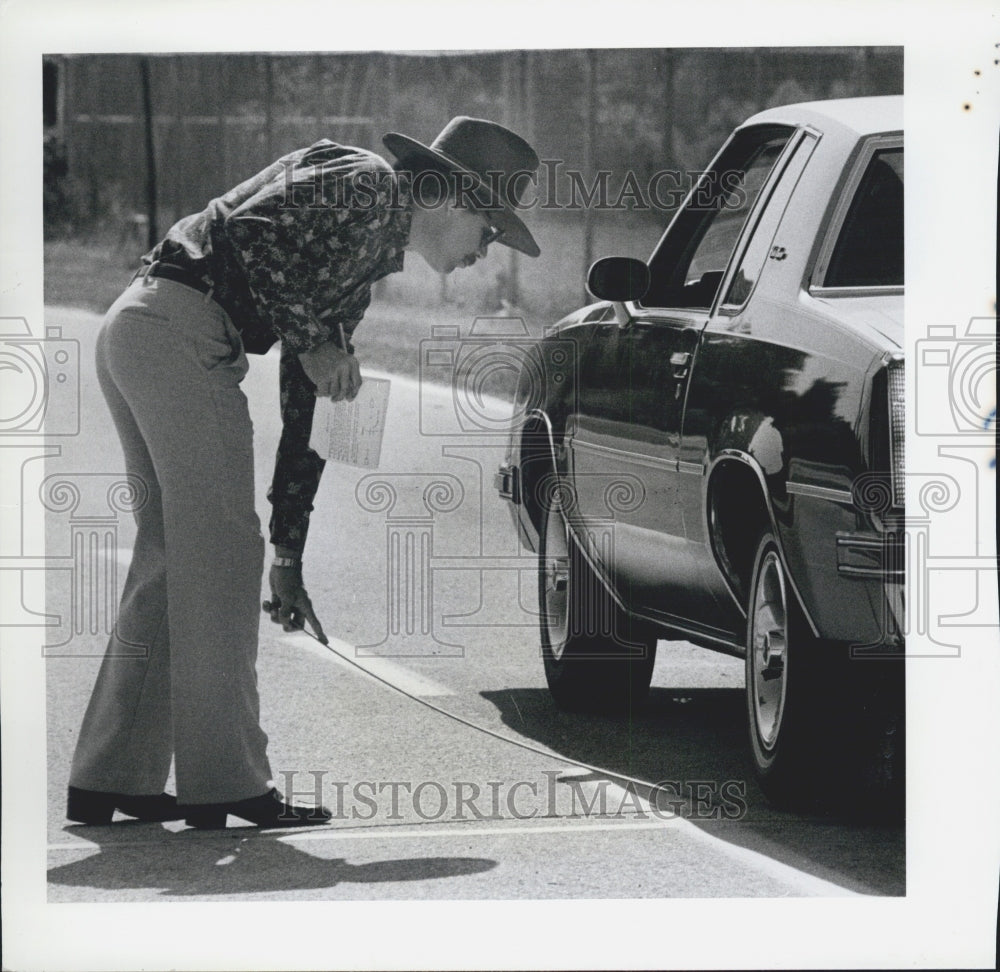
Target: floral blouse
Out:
[291,255]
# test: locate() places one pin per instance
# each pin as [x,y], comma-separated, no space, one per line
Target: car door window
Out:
[691,260]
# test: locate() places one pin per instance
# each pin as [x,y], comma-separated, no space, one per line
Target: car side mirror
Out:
[618,279]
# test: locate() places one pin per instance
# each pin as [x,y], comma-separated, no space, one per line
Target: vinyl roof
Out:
[864,116]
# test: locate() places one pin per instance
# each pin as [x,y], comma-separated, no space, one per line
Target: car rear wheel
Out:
[825,728]
[596,657]
[781,663]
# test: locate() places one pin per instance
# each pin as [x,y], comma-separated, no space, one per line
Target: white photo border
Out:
[947,918]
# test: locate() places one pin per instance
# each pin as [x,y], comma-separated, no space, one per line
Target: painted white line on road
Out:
[799,882]
[480,831]
[397,676]
[324,833]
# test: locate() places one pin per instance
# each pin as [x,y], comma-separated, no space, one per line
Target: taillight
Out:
[897,430]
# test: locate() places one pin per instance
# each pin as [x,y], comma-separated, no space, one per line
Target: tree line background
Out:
[134,142]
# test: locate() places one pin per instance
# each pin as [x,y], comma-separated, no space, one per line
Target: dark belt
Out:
[253,343]
[167,271]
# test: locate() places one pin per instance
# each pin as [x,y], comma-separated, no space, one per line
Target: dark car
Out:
[713,452]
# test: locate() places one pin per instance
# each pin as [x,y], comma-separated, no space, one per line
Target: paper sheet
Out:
[351,432]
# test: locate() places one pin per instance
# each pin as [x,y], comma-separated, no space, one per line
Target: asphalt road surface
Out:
[426,725]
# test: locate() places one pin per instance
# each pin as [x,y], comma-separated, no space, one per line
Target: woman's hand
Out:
[290,605]
[335,373]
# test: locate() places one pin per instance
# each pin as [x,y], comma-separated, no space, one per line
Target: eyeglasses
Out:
[490,235]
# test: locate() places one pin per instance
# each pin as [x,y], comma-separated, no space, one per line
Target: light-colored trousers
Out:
[170,364]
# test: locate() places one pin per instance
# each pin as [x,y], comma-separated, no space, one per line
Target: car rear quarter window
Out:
[869,247]
[755,255]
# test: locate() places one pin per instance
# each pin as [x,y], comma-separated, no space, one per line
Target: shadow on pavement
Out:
[189,864]
[691,736]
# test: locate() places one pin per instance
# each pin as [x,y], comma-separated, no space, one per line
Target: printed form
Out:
[351,432]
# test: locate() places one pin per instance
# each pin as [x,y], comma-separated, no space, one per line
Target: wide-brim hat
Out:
[499,165]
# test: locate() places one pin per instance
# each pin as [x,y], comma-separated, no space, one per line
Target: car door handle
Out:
[679,362]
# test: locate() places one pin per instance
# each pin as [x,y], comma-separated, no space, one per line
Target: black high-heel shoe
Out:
[97,807]
[267,810]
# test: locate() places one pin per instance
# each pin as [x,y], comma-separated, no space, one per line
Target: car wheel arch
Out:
[537,461]
[733,539]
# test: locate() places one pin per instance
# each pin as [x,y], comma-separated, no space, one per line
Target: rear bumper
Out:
[881,561]
[873,557]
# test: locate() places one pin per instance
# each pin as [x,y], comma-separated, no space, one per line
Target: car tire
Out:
[782,665]
[877,745]
[597,658]
[826,730]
